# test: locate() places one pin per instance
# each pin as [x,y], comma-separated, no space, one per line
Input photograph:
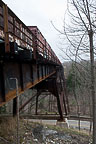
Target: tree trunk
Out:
[93,84]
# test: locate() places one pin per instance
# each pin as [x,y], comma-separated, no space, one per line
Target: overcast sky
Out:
[41,13]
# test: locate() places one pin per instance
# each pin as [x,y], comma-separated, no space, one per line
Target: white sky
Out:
[40,13]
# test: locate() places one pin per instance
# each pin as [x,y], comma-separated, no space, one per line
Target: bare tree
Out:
[80,32]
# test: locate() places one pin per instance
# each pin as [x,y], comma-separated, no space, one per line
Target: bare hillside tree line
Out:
[80,33]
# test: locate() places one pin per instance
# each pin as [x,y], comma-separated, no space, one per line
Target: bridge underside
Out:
[30,73]
[28,58]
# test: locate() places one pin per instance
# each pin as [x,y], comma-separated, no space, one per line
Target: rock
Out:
[35,140]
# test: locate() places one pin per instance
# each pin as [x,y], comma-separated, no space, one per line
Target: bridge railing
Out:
[17,31]
[42,46]
[12,29]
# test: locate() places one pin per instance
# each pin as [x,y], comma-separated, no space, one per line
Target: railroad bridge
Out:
[26,56]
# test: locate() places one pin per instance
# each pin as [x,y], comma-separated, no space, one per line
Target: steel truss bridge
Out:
[25,55]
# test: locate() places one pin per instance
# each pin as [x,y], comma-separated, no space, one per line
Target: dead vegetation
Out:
[35,133]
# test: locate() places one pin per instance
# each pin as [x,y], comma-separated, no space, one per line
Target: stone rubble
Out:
[43,135]
[35,133]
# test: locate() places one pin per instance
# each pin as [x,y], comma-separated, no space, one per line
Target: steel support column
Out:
[2,83]
[64,105]
[36,111]
[59,108]
[14,106]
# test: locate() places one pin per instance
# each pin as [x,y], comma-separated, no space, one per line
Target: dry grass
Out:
[8,128]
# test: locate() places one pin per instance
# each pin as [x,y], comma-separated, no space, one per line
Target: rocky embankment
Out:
[35,133]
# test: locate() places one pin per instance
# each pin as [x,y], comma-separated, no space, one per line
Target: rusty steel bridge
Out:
[26,55]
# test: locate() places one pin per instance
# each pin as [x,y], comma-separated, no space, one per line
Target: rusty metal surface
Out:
[13,29]
[42,45]
[12,70]
[26,55]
